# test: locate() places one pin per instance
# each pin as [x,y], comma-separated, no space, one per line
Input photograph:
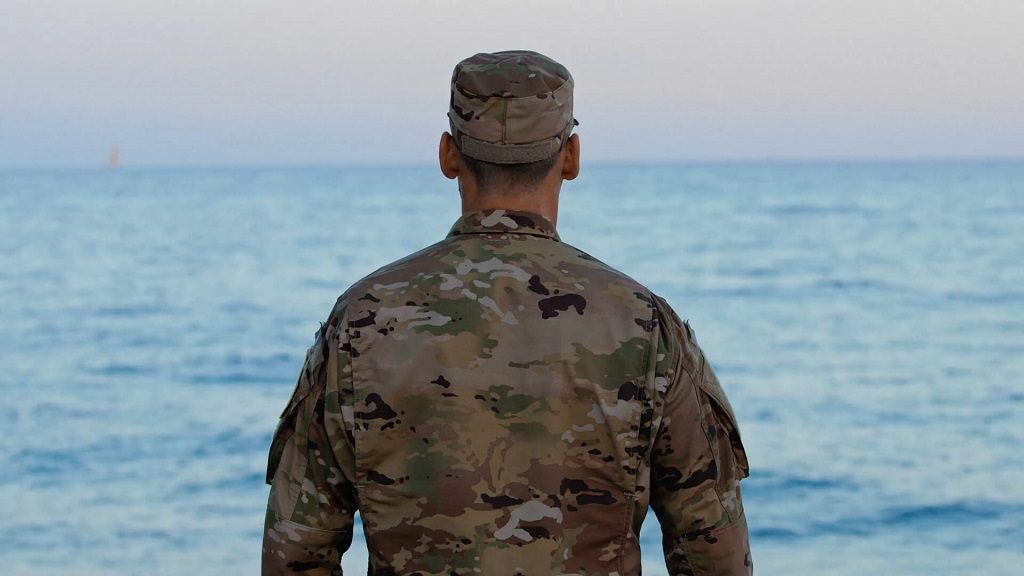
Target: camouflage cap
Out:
[511,107]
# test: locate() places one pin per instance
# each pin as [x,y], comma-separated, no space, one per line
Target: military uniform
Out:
[503,403]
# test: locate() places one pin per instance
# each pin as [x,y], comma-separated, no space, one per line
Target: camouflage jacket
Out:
[503,403]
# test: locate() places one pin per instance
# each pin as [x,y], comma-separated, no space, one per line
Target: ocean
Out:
[866,320]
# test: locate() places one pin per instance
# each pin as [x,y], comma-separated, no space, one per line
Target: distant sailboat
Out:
[114,159]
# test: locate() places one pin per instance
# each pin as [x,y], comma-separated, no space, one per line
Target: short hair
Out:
[508,179]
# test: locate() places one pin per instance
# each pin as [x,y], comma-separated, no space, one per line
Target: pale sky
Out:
[232,82]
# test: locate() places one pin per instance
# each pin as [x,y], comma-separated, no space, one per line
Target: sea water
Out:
[866,320]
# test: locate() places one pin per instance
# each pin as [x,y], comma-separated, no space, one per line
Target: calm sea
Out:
[867,321]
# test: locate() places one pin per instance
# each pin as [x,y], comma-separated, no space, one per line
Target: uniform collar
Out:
[504,221]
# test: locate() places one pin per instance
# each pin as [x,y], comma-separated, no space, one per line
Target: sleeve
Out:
[697,463]
[312,504]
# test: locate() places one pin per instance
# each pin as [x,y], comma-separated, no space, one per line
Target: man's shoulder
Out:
[607,270]
[408,269]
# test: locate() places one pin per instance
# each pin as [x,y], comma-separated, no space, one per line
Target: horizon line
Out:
[784,160]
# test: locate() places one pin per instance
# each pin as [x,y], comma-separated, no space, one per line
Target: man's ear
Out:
[571,158]
[448,156]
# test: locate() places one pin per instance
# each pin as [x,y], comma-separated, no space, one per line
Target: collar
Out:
[504,221]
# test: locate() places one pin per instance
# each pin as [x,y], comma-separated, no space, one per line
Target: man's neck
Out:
[544,204]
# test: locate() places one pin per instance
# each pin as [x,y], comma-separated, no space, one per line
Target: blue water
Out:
[867,321]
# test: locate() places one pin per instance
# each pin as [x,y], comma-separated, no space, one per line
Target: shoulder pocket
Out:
[286,424]
[725,416]
[304,384]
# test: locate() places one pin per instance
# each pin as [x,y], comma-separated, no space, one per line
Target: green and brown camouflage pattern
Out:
[503,403]
[510,107]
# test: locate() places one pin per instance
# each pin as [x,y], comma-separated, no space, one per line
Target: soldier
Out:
[502,402]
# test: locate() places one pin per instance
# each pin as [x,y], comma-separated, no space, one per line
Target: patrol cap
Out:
[511,107]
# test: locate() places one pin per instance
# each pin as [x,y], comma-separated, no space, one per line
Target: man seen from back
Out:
[501,402]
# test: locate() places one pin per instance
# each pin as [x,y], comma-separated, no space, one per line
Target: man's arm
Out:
[312,504]
[697,463]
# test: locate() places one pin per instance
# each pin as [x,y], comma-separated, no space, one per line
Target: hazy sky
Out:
[336,82]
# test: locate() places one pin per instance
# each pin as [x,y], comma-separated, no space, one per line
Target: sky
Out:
[317,82]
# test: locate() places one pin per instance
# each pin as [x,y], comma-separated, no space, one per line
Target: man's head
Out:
[511,120]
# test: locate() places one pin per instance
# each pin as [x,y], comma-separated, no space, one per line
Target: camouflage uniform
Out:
[503,403]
